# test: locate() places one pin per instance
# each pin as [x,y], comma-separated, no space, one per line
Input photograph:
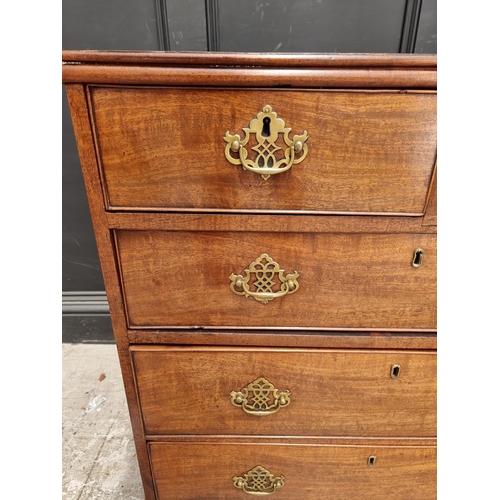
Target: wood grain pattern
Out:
[79,114]
[356,441]
[346,280]
[196,471]
[266,223]
[412,61]
[368,152]
[287,338]
[251,77]
[430,217]
[149,128]
[334,393]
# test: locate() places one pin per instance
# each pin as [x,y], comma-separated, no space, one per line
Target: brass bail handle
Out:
[261,280]
[266,158]
[260,398]
[259,482]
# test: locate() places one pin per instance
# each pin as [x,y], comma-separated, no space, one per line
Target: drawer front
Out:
[360,281]
[164,148]
[286,392]
[293,472]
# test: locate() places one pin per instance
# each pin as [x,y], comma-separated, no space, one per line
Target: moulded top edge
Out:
[424,61]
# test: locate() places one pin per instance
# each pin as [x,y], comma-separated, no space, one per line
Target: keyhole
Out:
[418,257]
[395,371]
[372,460]
[266,131]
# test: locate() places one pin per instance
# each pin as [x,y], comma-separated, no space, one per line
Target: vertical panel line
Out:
[410,26]
[162,22]
[213,33]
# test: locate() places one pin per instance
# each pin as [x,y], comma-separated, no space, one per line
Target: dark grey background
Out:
[200,25]
[311,25]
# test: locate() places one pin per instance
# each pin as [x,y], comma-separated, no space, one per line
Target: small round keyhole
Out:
[266,129]
[395,371]
[372,460]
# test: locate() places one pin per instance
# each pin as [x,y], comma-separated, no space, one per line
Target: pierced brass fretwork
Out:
[265,271]
[268,158]
[258,481]
[260,398]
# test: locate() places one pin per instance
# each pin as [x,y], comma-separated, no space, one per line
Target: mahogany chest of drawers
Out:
[266,226]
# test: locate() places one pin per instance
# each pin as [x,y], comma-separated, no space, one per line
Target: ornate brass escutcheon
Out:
[269,158]
[258,481]
[263,289]
[260,398]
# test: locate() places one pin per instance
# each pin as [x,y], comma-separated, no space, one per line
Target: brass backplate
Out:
[268,156]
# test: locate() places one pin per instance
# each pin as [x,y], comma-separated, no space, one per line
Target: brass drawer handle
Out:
[266,270]
[258,481]
[260,398]
[267,128]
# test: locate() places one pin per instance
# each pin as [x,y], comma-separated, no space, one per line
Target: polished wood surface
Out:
[193,471]
[333,393]
[79,114]
[173,219]
[262,223]
[368,151]
[251,77]
[346,280]
[302,440]
[408,71]
[217,59]
[430,217]
[351,339]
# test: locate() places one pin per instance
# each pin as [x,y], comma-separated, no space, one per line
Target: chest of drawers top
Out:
[164,127]
[327,161]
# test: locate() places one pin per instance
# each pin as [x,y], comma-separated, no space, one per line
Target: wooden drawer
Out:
[195,470]
[314,263]
[164,149]
[353,281]
[188,390]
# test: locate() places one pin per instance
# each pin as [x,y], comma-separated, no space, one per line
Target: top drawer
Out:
[365,151]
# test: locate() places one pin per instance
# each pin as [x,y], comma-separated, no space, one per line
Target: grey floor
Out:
[98,452]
